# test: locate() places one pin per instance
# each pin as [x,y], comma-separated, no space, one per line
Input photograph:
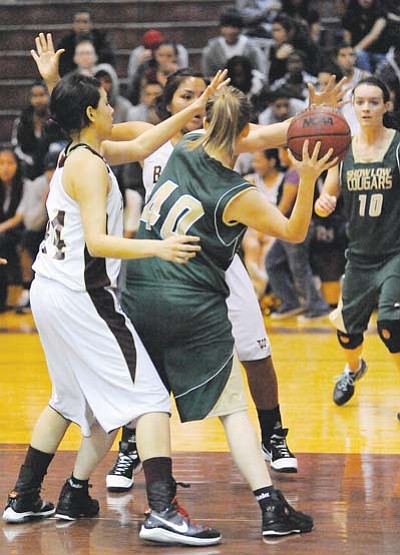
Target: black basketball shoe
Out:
[120,478]
[25,505]
[280,519]
[278,453]
[173,525]
[75,501]
[345,385]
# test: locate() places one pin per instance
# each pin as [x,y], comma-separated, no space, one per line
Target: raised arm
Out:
[274,135]
[372,36]
[153,138]
[47,60]
[129,130]
[253,210]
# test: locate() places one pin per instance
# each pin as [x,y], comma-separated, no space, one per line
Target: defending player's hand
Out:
[3,261]
[311,167]
[179,248]
[47,60]
[325,205]
[331,95]
[218,81]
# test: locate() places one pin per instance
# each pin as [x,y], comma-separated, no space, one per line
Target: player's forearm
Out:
[299,221]
[51,83]
[153,138]
[129,130]
[109,246]
[264,136]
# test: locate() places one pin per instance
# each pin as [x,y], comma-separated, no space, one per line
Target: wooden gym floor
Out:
[349,465]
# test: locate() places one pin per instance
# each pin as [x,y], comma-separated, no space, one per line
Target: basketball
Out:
[320,123]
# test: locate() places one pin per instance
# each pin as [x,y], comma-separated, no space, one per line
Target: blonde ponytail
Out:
[227,113]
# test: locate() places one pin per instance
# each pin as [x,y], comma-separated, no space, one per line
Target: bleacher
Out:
[191,22]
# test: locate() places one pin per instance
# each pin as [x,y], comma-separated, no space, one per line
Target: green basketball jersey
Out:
[189,199]
[371,194]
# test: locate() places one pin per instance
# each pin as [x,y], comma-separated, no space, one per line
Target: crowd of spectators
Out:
[272,50]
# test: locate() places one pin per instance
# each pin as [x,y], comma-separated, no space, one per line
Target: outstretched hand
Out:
[311,167]
[331,95]
[47,60]
[218,81]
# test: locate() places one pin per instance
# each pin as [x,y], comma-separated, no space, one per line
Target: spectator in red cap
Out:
[145,52]
[159,67]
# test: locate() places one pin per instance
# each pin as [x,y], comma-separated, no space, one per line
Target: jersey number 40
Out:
[184,212]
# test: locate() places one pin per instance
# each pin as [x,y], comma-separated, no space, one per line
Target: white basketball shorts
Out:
[98,366]
[248,328]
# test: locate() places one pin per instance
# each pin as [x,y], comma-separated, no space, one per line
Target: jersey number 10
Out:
[374,207]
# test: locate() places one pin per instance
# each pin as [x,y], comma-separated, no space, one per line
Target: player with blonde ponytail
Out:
[187,332]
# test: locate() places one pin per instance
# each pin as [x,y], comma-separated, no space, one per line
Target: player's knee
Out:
[350,340]
[389,332]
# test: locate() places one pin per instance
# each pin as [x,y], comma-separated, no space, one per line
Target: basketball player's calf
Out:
[389,332]
[263,386]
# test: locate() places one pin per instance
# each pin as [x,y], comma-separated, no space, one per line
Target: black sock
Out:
[263,496]
[157,469]
[160,484]
[270,421]
[34,468]
[78,484]
[128,434]
[38,461]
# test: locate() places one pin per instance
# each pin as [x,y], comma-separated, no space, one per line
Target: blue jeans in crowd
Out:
[291,278]
[368,61]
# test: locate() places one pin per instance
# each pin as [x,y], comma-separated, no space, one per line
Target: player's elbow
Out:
[94,251]
[296,236]
[94,247]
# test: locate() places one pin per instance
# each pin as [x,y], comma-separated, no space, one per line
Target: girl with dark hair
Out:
[244,77]
[11,218]
[101,375]
[369,182]
[188,332]
[288,36]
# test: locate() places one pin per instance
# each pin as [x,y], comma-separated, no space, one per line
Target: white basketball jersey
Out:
[63,255]
[154,164]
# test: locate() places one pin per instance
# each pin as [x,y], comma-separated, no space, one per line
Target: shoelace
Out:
[123,463]
[179,509]
[280,445]
[176,507]
[344,380]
